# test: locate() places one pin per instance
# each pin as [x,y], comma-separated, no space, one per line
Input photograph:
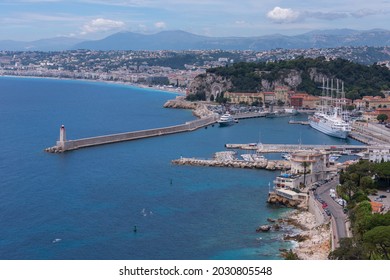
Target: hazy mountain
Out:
[51,44]
[181,40]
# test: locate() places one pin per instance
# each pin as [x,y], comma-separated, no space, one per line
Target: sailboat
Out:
[329,119]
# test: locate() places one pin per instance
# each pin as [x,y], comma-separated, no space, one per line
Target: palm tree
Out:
[305,165]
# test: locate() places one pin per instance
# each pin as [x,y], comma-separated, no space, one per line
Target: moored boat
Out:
[226,120]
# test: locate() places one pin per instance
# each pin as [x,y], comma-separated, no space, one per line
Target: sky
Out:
[28,20]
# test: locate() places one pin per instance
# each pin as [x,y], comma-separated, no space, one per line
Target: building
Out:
[379,155]
[304,100]
[282,94]
[288,181]
[244,97]
[291,194]
[375,102]
[385,111]
[314,163]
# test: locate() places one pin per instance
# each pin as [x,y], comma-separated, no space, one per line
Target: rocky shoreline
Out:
[198,109]
[314,240]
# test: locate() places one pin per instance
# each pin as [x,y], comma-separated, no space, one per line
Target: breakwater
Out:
[267,164]
[67,145]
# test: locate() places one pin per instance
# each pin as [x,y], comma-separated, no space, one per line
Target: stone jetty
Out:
[264,164]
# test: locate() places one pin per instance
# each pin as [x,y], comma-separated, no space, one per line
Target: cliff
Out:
[198,109]
[302,74]
[211,85]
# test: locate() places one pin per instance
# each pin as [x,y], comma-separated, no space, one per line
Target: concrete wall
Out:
[127,136]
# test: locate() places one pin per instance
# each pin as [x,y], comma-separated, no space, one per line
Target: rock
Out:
[263,228]
[276,227]
[271,220]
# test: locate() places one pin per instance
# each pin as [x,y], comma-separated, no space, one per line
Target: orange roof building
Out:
[377,207]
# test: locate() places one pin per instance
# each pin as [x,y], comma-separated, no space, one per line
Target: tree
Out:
[366,183]
[349,249]
[348,188]
[378,241]
[304,165]
[382,117]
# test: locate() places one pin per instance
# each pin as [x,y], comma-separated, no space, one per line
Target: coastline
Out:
[172,90]
[314,239]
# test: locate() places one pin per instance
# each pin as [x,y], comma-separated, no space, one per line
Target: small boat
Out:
[226,120]
[286,156]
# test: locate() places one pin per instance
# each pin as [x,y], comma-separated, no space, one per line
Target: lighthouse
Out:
[61,142]
[62,134]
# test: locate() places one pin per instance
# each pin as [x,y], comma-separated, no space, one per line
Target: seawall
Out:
[68,145]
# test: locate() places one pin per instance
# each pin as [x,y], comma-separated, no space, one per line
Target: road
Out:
[335,209]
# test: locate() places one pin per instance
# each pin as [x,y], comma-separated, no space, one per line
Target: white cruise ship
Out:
[330,124]
[225,120]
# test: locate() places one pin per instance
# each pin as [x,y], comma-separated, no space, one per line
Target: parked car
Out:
[382,196]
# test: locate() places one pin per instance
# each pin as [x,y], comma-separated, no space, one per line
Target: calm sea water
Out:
[91,199]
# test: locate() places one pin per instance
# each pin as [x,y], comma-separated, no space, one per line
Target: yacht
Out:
[226,120]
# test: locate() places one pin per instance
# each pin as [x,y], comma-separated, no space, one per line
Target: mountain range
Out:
[181,40]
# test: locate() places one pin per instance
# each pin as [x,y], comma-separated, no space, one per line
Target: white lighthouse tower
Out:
[61,142]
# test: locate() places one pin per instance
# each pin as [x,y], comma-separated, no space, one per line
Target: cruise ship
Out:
[226,120]
[330,124]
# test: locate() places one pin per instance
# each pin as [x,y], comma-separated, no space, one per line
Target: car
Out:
[327,212]
[382,196]
[345,210]
[388,191]
[324,205]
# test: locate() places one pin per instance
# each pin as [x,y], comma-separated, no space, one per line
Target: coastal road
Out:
[335,209]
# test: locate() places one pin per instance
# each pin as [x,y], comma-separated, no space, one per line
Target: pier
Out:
[249,115]
[64,145]
[288,148]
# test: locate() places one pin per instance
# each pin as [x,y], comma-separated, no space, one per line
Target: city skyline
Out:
[26,20]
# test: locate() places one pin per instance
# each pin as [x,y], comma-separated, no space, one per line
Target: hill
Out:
[302,74]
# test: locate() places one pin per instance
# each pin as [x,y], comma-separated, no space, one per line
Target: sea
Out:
[86,204]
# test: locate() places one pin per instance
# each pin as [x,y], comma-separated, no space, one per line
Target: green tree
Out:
[382,117]
[366,183]
[348,188]
[304,165]
[348,249]
[378,241]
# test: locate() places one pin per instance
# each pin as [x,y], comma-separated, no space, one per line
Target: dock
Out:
[250,115]
[298,122]
[64,145]
[288,148]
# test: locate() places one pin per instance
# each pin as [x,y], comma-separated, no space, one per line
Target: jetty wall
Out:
[128,136]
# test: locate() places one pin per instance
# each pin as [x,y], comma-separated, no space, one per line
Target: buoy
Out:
[171,181]
[135,229]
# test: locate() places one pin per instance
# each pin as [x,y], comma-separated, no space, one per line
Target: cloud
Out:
[287,15]
[280,15]
[101,25]
[160,25]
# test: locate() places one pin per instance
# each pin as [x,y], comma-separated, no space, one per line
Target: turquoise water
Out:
[91,199]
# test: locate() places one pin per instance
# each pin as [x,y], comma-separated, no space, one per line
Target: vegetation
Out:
[382,117]
[360,80]
[371,232]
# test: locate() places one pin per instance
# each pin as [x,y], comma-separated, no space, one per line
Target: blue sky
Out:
[27,20]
